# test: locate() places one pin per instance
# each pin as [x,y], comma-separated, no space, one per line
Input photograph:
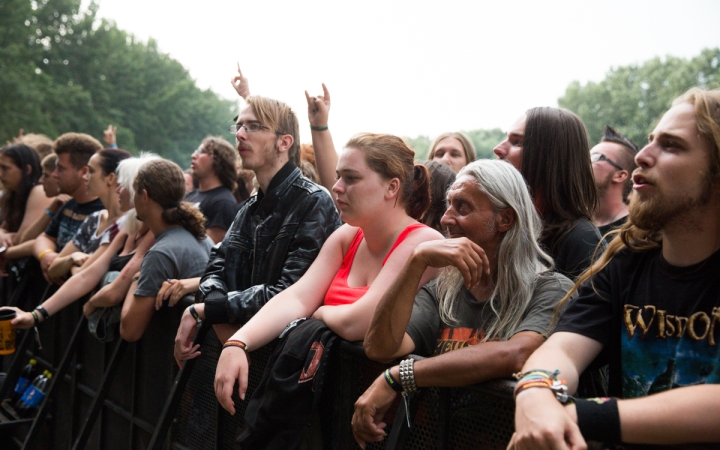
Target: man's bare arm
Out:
[679,416]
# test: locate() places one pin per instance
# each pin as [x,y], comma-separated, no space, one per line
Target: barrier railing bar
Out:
[119,410]
[59,373]
[101,394]
[181,379]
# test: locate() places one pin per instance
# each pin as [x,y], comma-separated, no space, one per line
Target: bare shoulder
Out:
[342,237]
[37,194]
[422,234]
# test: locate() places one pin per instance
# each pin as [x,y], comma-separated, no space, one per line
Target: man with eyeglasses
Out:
[613,161]
[276,234]
[213,165]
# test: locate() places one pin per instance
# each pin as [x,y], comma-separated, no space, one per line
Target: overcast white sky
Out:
[416,67]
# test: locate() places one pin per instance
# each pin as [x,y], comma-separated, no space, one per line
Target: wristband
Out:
[195,315]
[235,343]
[391,381]
[35,317]
[113,146]
[599,419]
[239,344]
[43,311]
[407,375]
[314,128]
[49,213]
[43,253]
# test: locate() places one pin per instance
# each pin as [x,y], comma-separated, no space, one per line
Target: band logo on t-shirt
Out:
[699,326]
[454,338]
[662,351]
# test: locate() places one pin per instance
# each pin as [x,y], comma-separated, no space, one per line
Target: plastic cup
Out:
[7,332]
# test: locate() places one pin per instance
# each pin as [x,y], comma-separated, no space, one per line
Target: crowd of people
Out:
[552,263]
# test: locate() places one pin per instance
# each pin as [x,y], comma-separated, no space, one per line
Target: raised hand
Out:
[240,84]
[318,108]
[109,136]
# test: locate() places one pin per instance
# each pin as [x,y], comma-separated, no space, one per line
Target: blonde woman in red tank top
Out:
[380,194]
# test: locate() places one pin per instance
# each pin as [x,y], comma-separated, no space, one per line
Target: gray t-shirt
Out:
[433,337]
[176,254]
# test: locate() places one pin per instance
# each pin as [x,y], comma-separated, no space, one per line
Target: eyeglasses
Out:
[250,127]
[596,157]
[199,151]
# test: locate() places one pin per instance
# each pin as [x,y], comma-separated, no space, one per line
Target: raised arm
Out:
[326,157]
[240,84]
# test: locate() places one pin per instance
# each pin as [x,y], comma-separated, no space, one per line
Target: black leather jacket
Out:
[269,246]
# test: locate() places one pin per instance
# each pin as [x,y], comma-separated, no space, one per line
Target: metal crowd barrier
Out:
[131,396]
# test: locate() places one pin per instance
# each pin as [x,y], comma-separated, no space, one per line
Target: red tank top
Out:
[339,293]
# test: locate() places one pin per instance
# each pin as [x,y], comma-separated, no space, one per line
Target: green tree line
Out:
[630,99]
[62,69]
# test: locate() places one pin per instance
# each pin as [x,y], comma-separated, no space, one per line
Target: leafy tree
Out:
[73,72]
[421,145]
[632,98]
[484,141]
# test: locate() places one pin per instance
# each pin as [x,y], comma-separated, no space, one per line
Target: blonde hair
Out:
[126,171]
[280,118]
[707,116]
[465,141]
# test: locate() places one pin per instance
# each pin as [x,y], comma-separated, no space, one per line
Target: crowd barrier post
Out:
[99,399]
[181,379]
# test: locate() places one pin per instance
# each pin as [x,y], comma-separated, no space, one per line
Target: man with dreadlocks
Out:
[649,307]
[492,303]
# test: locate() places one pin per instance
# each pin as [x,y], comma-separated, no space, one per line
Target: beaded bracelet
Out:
[538,378]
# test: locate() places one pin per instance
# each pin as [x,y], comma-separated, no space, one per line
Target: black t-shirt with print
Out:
[659,324]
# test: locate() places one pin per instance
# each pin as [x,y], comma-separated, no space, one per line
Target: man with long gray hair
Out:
[492,302]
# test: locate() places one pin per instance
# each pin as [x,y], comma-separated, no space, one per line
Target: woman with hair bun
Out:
[380,194]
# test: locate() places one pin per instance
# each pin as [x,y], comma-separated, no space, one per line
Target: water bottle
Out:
[34,395]
[27,374]
[19,404]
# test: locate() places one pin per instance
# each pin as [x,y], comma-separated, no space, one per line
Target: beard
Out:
[655,213]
